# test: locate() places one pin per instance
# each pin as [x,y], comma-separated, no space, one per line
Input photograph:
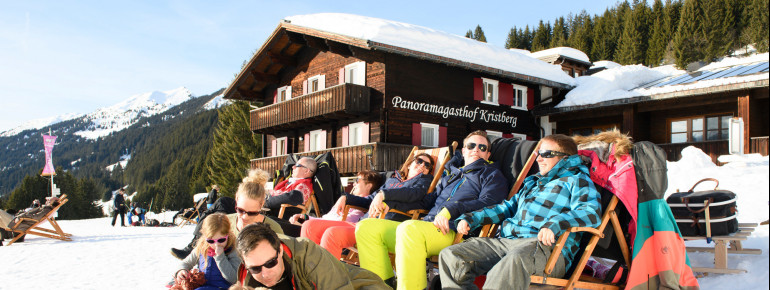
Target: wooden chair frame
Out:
[36,229]
[197,212]
[311,202]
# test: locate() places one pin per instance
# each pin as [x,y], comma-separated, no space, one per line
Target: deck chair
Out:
[33,224]
[197,210]
[327,187]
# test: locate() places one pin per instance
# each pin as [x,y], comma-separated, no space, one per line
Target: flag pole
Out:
[52,185]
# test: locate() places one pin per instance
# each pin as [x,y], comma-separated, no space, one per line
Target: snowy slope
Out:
[105,257]
[39,124]
[124,114]
[216,102]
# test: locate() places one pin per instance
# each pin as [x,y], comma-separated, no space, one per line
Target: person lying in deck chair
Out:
[473,186]
[561,196]
[295,190]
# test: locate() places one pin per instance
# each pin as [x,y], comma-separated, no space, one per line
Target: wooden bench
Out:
[721,249]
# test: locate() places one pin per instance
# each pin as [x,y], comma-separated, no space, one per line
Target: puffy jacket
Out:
[565,197]
[313,267]
[465,189]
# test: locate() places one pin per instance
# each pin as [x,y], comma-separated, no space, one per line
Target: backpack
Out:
[651,171]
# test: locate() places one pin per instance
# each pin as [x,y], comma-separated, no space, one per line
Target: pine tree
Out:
[469,34]
[527,38]
[559,36]
[479,34]
[671,14]
[633,44]
[233,147]
[581,37]
[718,20]
[542,37]
[690,38]
[603,45]
[758,24]
[513,40]
[656,46]
[617,26]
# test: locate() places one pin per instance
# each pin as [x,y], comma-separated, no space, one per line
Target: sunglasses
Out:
[241,211]
[268,265]
[550,153]
[419,161]
[302,166]
[471,145]
[219,241]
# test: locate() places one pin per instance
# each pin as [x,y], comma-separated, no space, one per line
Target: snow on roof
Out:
[563,51]
[431,41]
[605,64]
[626,81]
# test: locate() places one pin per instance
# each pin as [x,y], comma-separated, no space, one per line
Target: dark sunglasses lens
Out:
[471,145]
[242,211]
[268,265]
[482,148]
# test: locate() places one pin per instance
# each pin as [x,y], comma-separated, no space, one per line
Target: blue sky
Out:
[59,57]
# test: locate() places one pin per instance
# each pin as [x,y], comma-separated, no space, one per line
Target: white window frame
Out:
[280,146]
[495,91]
[315,135]
[286,89]
[354,139]
[435,134]
[494,133]
[523,90]
[321,83]
[357,72]
[520,136]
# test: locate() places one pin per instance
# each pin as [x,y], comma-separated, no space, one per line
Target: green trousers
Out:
[412,241]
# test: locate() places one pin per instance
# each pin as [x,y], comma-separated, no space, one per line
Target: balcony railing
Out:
[337,102]
[350,160]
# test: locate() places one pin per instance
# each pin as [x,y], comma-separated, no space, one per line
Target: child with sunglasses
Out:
[214,255]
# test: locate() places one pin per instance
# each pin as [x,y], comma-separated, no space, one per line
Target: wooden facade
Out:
[651,117]
[315,98]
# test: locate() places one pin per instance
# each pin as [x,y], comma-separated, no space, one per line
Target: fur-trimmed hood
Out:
[623,143]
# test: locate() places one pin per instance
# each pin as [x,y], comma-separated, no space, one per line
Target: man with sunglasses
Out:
[560,196]
[295,190]
[469,186]
[281,262]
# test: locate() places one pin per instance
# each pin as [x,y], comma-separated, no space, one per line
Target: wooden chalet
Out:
[369,100]
[693,108]
[574,62]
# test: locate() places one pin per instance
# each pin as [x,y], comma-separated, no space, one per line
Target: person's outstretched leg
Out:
[376,238]
[524,258]
[460,264]
[415,241]
[115,214]
[337,238]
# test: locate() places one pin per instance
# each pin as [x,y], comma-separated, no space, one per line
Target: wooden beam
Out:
[263,77]
[744,110]
[316,43]
[296,38]
[281,59]
[250,95]
[339,48]
[629,113]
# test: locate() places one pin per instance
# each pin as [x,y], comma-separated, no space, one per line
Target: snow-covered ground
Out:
[105,257]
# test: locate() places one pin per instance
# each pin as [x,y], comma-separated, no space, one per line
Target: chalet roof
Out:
[635,84]
[551,55]
[332,30]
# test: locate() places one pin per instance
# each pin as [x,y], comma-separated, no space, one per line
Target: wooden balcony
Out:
[337,102]
[350,160]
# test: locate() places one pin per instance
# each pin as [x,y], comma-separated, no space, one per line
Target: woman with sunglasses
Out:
[214,255]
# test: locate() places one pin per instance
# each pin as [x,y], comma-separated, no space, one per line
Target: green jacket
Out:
[315,268]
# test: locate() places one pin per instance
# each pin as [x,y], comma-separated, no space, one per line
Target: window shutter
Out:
[323,140]
[286,146]
[478,89]
[361,74]
[441,136]
[304,87]
[505,94]
[342,76]
[288,92]
[273,148]
[530,99]
[416,134]
[322,83]
[507,135]
[275,97]
[365,134]
[345,136]
[307,142]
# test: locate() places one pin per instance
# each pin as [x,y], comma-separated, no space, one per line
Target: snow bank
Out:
[431,41]
[610,84]
[564,51]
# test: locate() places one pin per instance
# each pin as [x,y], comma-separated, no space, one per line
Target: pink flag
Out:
[48,142]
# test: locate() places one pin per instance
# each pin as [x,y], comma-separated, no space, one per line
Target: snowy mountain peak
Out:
[126,113]
[39,124]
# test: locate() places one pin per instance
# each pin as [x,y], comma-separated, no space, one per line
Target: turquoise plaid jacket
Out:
[566,197]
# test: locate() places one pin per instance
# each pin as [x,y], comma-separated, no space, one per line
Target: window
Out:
[317,140]
[519,136]
[357,134]
[283,94]
[519,97]
[316,83]
[699,128]
[355,73]
[491,133]
[490,91]
[429,135]
[280,146]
